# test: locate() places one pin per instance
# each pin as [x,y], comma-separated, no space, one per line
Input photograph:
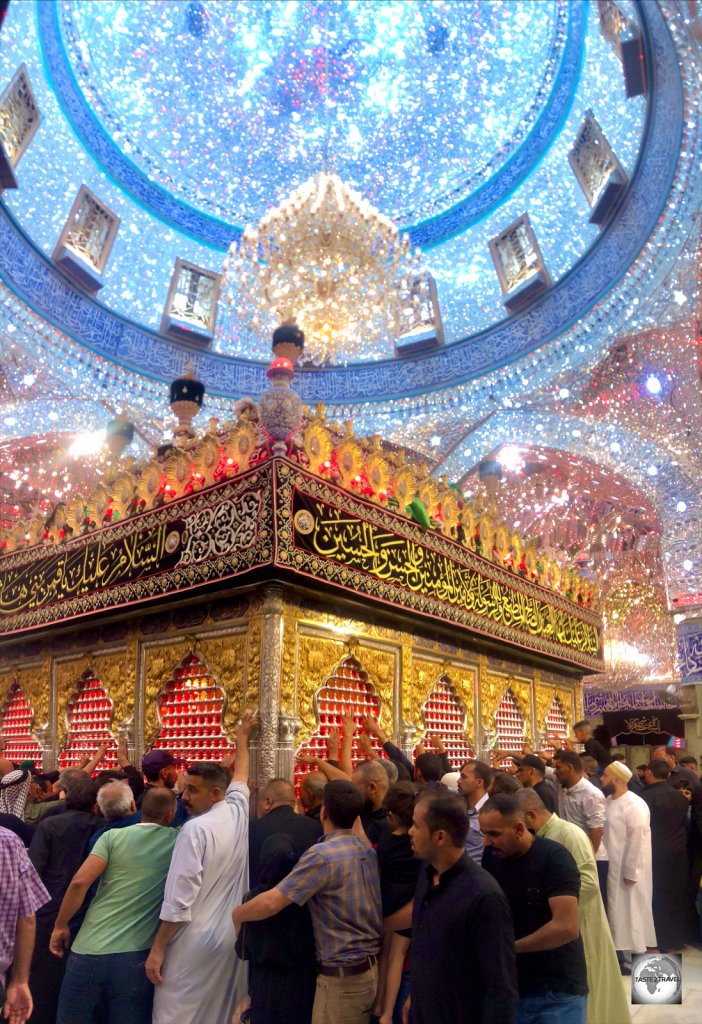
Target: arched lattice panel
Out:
[509,725]
[444,713]
[556,724]
[346,690]
[89,720]
[190,714]
[16,724]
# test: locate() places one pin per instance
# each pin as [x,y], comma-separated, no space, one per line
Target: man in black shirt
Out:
[277,817]
[531,771]
[463,964]
[541,882]
[593,747]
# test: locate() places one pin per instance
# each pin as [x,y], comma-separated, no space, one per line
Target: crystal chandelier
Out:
[330,262]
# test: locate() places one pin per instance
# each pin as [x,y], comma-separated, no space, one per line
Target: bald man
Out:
[312,794]
[372,780]
[278,817]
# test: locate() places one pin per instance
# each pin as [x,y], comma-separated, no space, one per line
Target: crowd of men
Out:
[387,891]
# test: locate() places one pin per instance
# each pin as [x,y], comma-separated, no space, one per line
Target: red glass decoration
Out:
[347,690]
[89,717]
[510,725]
[17,721]
[190,710]
[444,713]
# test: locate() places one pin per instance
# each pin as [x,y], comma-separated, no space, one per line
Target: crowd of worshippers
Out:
[387,891]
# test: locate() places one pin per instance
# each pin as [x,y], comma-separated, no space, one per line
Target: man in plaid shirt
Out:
[21,894]
[338,878]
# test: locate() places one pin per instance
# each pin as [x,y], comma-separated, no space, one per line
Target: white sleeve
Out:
[184,876]
[634,844]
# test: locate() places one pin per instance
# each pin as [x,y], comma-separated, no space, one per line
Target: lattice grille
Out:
[556,724]
[510,724]
[89,719]
[346,690]
[19,743]
[190,711]
[444,713]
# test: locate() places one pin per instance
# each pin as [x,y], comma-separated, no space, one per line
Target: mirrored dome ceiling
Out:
[190,119]
[229,106]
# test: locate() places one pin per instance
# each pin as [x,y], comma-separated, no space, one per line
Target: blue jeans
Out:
[551,1008]
[115,982]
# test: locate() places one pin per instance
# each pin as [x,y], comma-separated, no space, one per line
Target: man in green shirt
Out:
[106,963]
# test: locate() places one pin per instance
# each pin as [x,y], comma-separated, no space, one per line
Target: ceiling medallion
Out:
[328,260]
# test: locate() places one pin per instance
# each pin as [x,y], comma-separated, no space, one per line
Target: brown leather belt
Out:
[345,970]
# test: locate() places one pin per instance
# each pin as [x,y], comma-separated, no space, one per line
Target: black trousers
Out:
[602,871]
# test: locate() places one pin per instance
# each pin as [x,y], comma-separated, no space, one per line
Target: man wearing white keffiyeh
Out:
[14,789]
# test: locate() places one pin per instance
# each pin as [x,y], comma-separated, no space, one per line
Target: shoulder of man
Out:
[556,859]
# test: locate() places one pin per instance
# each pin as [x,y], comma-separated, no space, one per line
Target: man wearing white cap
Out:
[629,883]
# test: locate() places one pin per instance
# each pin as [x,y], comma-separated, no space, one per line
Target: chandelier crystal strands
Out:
[327,260]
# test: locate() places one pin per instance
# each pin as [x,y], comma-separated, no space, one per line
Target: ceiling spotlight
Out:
[510,458]
[615,447]
[687,565]
[653,385]
[87,444]
[435,441]
[652,470]
[564,393]
[679,297]
[28,379]
[681,506]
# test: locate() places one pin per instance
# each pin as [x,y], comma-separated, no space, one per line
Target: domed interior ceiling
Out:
[190,119]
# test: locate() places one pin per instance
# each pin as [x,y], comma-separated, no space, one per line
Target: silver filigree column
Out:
[269,693]
[288,728]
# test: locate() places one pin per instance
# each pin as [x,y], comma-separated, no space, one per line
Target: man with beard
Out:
[372,780]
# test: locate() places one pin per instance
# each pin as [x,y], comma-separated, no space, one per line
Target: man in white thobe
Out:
[629,883]
[192,961]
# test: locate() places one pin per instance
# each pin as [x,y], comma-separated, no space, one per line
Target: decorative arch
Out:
[347,689]
[17,725]
[190,711]
[444,712]
[89,714]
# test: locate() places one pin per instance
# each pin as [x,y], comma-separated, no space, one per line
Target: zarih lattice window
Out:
[347,690]
[516,255]
[556,724]
[444,713]
[89,720]
[19,116]
[89,231]
[190,713]
[510,724]
[17,722]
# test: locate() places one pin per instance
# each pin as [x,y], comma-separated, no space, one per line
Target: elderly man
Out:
[192,960]
[106,964]
[629,881]
[277,817]
[338,879]
[312,794]
[541,882]
[606,1001]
